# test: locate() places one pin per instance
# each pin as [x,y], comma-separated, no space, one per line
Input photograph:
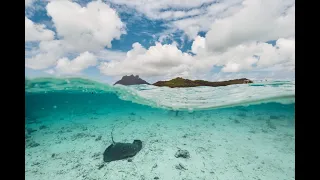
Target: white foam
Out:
[210,97]
[190,99]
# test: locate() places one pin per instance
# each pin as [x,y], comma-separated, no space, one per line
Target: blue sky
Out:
[205,39]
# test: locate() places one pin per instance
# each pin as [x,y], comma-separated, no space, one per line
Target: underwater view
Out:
[235,132]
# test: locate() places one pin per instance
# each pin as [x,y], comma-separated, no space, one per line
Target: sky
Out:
[160,39]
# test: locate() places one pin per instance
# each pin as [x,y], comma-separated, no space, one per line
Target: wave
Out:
[195,98]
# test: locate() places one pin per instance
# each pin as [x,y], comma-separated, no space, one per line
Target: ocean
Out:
[236,132]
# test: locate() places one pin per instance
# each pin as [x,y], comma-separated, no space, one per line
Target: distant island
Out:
[180,82]
[131,80]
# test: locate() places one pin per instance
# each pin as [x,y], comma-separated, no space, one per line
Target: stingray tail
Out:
[112,136]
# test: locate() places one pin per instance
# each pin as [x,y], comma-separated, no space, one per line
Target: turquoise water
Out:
[234,132]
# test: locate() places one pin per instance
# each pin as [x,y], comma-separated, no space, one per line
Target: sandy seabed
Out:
[223,145]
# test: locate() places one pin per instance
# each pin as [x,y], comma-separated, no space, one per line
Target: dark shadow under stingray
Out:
[118,151]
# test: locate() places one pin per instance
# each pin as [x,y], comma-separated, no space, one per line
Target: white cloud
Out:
[192,26]
[155,61]
[231,67]
[171,15]
[137,50]
[237,31]
[37,32]
[89,28]
[46,55]
[245,17]
[258,20]
[109,55]
[243,57]
[79,29]
[198,44]
[83,61]
[283,52]
[168,61]
[58,47]
[52,54]
[41,61]
[188,16]
[50,71]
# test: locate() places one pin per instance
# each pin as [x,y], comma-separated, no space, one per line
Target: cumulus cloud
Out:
[235,41]
[89,28]
[155,61]
[198,44]
[243,57]
[37,32]
[41,61]
[231,67]
[282,53]
[110,55]
[167,60]
[46,55]
[258,20]
[80,30]
[83,61]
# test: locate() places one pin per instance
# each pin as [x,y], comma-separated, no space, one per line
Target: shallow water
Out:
[68,126]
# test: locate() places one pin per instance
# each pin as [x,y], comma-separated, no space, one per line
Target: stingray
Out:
[118,151]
